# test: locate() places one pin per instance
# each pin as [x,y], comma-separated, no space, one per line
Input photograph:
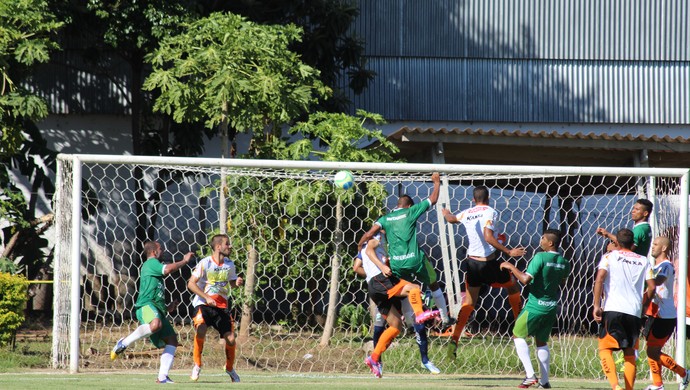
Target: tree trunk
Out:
[249,284]
[333,297]
[223,214]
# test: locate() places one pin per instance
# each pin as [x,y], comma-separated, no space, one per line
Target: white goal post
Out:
[294,234]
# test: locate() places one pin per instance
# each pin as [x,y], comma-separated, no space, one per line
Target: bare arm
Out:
[368,236]
[436,179]
[371,252]
[237,282]
[449,217]
[524,278]
[193,287]
[170,268]
[491,240]
[649,293]
[359,270]
[598,290]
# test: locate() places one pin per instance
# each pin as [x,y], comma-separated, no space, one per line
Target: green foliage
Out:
[354,318]
[225,68]
[25,28]
[13,297]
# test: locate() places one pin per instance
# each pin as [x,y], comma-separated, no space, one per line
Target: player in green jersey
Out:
[407,260]
[545,273]
[151,309]
[642,231]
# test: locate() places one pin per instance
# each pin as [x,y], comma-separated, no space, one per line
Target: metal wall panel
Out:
[528,90]
[647,30]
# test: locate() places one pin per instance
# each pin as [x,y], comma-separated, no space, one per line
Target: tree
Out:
[26,27]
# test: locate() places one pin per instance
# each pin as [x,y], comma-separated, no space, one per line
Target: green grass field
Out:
[142,380]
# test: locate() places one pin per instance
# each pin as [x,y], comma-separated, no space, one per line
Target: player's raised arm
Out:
[368,236]
[170,268]
[436,179]
[449,217]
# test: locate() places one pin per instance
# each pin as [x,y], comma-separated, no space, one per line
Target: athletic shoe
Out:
[449,322]
[452,350]
[426,316]
[167,380]
[652,387]
[431,367]
[686,380]
[528,382]
[195,373]
[233,375]
[546,385]
[118,349]
[374,366]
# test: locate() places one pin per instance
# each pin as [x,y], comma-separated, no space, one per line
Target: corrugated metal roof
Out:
[549,29]
[566,135]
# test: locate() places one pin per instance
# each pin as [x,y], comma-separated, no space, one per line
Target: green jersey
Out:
[401,232]
[151,286]
[642,238]
[548,269]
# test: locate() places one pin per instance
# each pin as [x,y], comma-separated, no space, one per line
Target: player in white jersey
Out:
[483,260]
[621,278]
[661,316]
[421,335]
[386,290]
[211,281]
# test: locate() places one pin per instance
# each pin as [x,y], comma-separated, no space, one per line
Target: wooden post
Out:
[249,284]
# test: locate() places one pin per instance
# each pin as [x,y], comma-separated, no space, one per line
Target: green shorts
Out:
[146,314]
[534,323]
[423,272]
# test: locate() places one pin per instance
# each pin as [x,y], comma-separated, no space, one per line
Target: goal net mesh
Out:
[293,240]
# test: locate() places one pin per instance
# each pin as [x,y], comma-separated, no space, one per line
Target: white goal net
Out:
[294,237]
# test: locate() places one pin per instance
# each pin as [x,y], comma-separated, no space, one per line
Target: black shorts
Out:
[486,272]
[380,290]
[220,319]
[660,330]
[619,331]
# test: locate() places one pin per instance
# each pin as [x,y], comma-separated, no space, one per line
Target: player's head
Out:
[550,240]
[405,201]
[625,238]
[661,245]
[480,195]
[221,243]
[641,210]
[152,249]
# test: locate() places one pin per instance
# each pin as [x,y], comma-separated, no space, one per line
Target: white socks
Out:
[141,331]
[441,304]
[166,361]
[544,358]
[523,353]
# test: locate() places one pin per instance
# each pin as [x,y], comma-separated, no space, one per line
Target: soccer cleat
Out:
[118,349]
[431,367]
[652,387]
[528,382]
[546,385]
[233,375]
[167,380]
[195,373]
[374,366]
[452,350]
[426,316]
[449,322]
[686,380]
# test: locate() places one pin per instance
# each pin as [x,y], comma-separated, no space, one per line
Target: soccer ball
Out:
[344,180]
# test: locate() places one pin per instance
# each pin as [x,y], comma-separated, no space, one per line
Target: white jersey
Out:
[625,281]
[369,267]
[662,305]
[475,219]
[214,280]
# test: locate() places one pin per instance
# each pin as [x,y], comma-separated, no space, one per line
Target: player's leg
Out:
[506,280]
[520,333]
[544,359]
[146,316]
[421,337]
[429,278]
[394,320]
[471,296]
[607,344]
[225,325]
[200,329]
[413,293]
[630,367]
[659,332]
[167,339]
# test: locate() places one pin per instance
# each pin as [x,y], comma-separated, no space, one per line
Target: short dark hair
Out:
[480,194]
[150,247]
[647,204]
[217,239]
[625,238]
[405,200]
[554,235]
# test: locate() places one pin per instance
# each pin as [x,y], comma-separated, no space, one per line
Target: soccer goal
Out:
[294,237]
